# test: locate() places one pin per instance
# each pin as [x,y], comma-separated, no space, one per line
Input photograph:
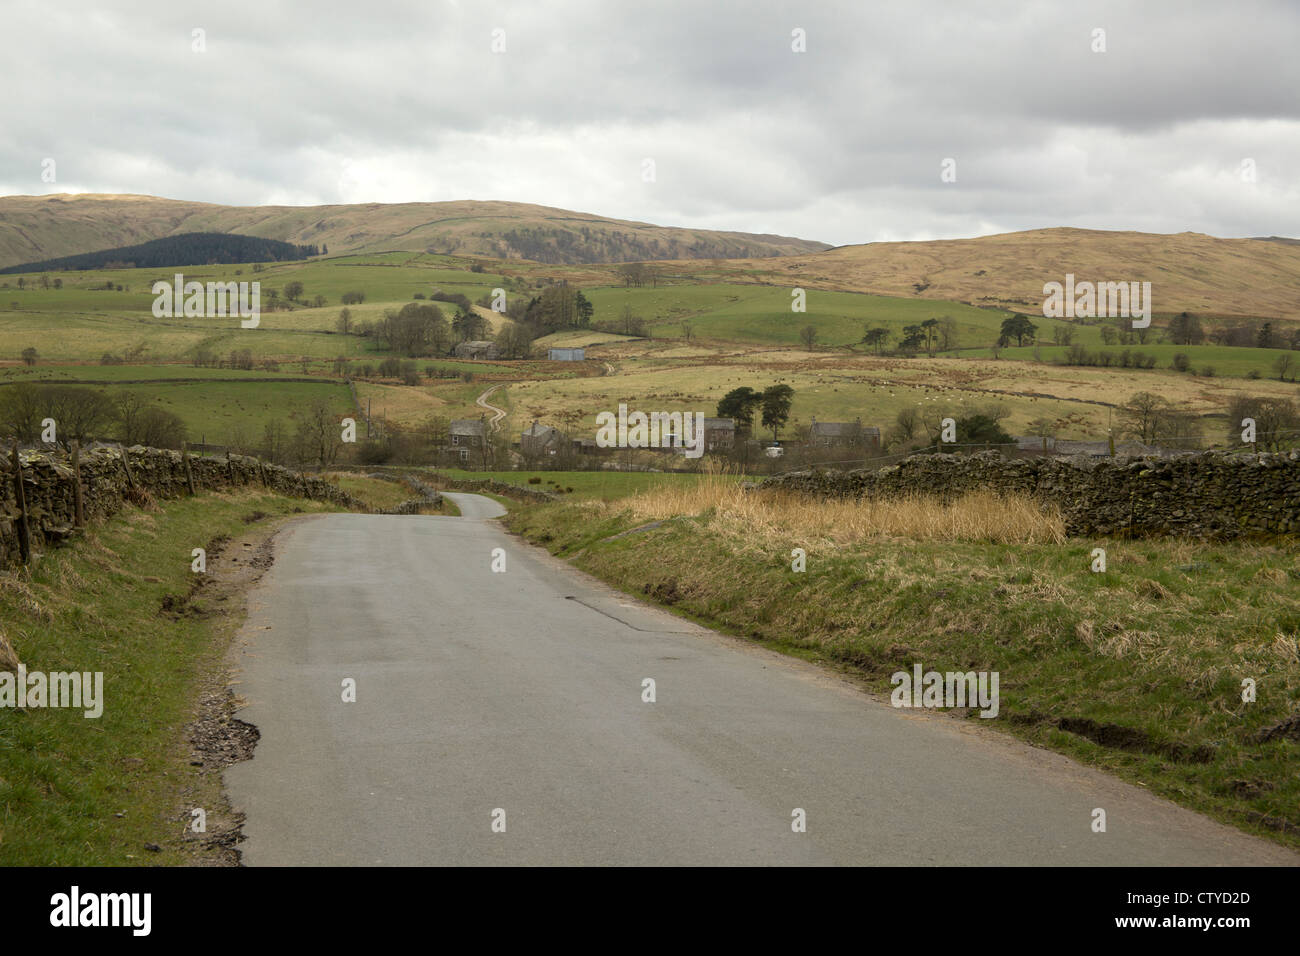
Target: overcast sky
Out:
[328,102]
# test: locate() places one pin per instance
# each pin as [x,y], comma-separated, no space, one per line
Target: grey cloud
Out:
[842,143]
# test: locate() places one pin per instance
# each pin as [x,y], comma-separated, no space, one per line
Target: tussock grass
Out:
[977,516]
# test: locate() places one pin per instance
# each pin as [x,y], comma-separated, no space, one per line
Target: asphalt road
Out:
[521,691]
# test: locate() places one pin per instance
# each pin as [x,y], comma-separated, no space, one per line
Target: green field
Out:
[740,334]
[605,485]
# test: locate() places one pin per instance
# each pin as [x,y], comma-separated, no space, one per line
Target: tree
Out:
[1142,416]
[468,326]
[127,410]
[80,413]
[1264,337]
[293,290]
[345,321]
[978,429]
[808,335]
[514,341]
[1277,421]
[1062,334]
[930,329]
[29,356]
[1283,365]
[913,338]
[876,337]
[775,403]
[1185,329]
[585,309]
[159,428]
[739,404]
[1018,327]
[904,428]
[633,273]
[319,435]
[419,328]
[947,333]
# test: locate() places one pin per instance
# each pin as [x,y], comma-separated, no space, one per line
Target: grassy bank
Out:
[104,791]
[1137,670]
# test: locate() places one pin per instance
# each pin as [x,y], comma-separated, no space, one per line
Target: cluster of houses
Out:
[468,437]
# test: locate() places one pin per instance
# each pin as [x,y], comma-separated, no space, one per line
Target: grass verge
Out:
[1137,670]
[122,601]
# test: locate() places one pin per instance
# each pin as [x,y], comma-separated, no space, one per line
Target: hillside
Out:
[187,249]
[35,228]
[1187,271]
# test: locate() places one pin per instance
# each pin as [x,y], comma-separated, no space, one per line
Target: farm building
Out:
[465,435]
[538,440]
[843,435]
[719,433]
[567,355]
[477,350]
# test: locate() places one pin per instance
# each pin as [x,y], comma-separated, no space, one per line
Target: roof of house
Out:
[723,423]
[836,429]
[477,344]
[540,431]
[468,426]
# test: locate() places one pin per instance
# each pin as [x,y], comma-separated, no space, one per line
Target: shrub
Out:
[534,481]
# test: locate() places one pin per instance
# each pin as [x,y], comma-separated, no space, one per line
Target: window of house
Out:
[455,439]
[464,454]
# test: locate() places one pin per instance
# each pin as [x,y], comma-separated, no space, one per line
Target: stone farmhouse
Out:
[848,435]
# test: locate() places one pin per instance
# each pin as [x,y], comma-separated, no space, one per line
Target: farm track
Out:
[500,413]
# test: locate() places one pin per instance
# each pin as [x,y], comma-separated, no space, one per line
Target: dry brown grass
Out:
[765,515]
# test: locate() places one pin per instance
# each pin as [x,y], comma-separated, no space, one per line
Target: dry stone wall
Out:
[48,487]
[1212,495]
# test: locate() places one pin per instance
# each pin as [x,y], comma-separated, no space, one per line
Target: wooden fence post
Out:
[78,509]
[126,466]
[20,496]
[189,475]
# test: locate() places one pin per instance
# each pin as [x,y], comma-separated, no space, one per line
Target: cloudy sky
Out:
[561,104]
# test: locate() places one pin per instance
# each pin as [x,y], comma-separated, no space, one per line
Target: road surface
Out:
[521,691]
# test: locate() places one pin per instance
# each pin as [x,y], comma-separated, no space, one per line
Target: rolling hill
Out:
[35,228]
[1187,271]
